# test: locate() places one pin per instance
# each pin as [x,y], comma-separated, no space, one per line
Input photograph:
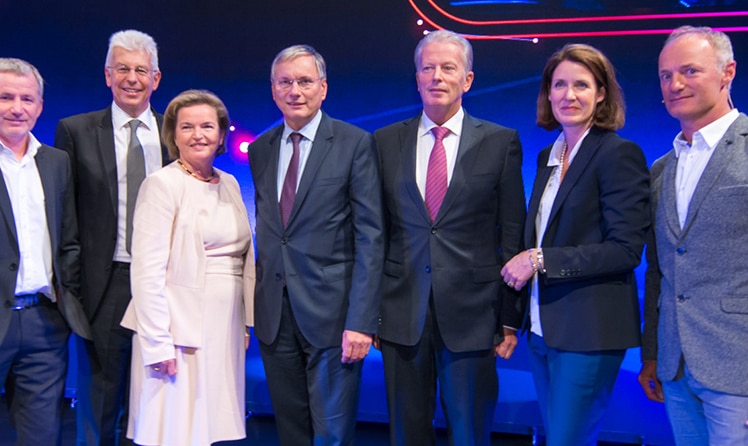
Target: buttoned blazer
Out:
[458,257]
[592,244]
[330,254]
[697,288]
[89,141]
[169,265]
[59,206]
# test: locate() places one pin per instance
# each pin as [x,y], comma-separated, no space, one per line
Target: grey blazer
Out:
[697,278]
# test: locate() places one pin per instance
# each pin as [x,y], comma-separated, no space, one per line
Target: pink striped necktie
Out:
[436,175]
[288,193]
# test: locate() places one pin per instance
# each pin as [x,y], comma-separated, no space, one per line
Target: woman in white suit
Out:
[192,280]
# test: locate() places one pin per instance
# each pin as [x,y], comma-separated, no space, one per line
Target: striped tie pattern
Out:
[436,175]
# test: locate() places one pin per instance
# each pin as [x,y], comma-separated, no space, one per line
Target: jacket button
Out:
[13,267]
[680,251]
[278,277]
[433,230]
[284,240]
[428,268]
[682,298]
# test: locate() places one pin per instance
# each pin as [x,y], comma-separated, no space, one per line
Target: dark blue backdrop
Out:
[227,47]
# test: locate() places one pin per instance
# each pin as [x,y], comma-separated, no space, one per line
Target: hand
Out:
[649,382]
[246,342]
[518,271]
[355,346]
[376,343]
[168,367]
[507,346]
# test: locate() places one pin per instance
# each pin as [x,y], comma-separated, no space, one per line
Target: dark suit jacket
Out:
[89,140]
[331,252]
[459,256]
[696,302]
[593,241]
[54,171]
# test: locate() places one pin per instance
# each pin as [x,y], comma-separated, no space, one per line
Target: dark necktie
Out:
[288,194]
[436,175]
[135,176]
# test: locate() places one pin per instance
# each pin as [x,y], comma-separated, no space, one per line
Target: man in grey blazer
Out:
[454,211]
[319,255]
[696,300]
[99,145]
[39,269]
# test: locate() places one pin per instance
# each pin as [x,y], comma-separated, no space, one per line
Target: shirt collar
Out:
[454,124]
[32,146]
[554,159]
[120,119]
[308,131]
[710,134]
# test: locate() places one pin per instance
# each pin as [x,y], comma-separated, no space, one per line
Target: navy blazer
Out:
[88,139]
[592,244]
[59,205]
[331,253]
[457,258]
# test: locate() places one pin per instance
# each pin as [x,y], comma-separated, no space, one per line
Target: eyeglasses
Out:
[304,83]
[124,70]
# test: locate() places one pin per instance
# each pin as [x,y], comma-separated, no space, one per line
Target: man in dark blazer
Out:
[696,297]
[98,145]
[319,255]
[39,269]
[445,311]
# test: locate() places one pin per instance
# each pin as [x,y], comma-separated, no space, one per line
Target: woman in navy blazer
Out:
[587,219]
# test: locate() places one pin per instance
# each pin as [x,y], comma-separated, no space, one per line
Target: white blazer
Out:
[167,273]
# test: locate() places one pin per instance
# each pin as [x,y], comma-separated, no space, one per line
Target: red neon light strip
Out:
[689,15]
[576,19]
[638,32]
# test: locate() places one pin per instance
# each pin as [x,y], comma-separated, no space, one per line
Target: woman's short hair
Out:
[188,99]
[610,113]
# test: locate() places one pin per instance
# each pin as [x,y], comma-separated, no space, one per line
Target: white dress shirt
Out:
[544,211]
[308,132]
[425,144]
[148,134]
[693,158]
[27,201]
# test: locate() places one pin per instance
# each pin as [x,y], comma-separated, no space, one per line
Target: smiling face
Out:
[299,106]
[131,90]
[442,79]
[574,95]
[20,106]
[694,89]
[198,135]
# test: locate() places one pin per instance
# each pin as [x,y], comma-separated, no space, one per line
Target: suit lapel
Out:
[322,144]
[164,150]
[107,155]
[7,210]
[586,152]
[463,163]
[717,163]
[667,200]
[47,176]
[541,181]
[269,174]
[408,143]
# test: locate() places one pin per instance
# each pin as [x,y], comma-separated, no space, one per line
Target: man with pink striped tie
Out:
[454,210]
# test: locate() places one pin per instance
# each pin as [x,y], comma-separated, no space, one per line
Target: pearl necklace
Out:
[196,176]
[563,158]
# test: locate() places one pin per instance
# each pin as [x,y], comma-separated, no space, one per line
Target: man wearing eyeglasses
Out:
[320,255]
[111,151]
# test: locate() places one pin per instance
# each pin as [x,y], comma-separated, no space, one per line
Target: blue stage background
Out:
[227,46]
